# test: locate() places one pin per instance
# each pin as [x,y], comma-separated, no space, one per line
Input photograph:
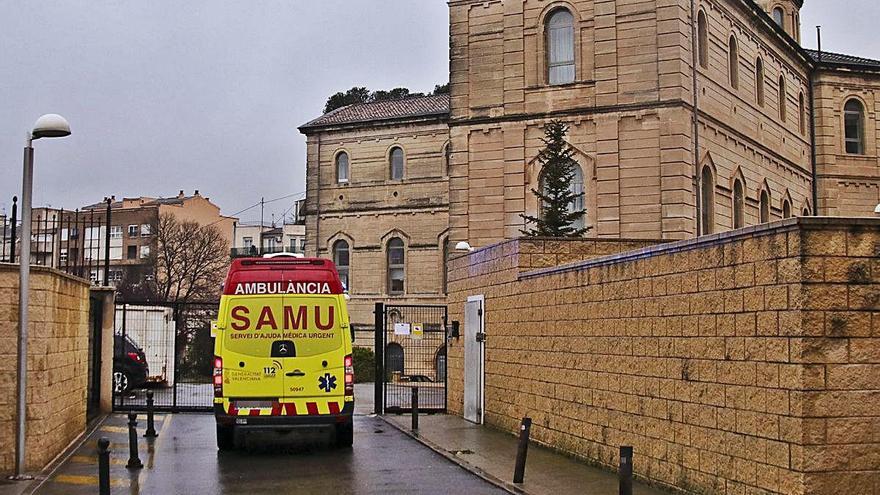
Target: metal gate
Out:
[165,348]
[410,345]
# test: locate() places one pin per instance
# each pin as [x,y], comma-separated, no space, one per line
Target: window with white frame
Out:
[146,230]
[132,230]
[145,252]
[116,231]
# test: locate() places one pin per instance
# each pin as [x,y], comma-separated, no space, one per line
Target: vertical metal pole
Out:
[103,466]
[522,450]
[262,206]
[107,247]
[23,287]
[177,327]
[414,407]
[379,382]
[625,471]
[14,223]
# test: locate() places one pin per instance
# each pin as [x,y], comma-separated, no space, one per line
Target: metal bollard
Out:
[625,471]
[134,462]
[522,450]
[151,428]
[103,466]
[415,409]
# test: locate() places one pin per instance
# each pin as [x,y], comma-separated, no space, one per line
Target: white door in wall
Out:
[474,356]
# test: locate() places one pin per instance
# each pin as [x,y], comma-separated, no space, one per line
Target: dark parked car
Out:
[129,365]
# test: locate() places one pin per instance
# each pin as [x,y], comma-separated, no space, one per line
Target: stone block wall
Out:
[57,364]
[743,362]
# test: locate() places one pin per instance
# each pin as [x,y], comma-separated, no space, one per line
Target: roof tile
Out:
[418,106]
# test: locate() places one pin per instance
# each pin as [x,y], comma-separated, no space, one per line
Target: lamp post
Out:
[47,126]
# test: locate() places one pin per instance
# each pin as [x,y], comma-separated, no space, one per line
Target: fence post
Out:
[103,466]
[379,353]
[522,450]
[14,224]
[107,247]
[625,471]
[134,462]
[151,428]
[414,407]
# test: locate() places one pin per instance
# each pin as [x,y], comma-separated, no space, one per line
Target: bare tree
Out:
[191,260]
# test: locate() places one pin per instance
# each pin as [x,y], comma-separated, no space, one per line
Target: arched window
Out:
[733,62]
[394,358]
[707,197]
[447,159]
[342,260]
[802,119]
[779,17]
[342,167]
[806,212]
[759,80]
[765,206]
[396,268]
[576,188]
[782,98]
[703,39]
[560,47]
[440,363]
[396,163]
[739,202]
[854,127]
[786,209]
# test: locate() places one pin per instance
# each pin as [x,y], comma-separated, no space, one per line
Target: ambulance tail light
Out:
[218,376]
[349,375]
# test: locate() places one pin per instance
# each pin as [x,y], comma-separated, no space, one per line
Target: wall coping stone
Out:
[779,226]
[45,269]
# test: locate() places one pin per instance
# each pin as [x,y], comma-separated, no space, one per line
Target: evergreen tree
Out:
[557,172]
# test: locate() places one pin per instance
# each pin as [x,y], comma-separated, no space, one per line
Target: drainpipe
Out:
[695,62]
[317,193]
[814,69]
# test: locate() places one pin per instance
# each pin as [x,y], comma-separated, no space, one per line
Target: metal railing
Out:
[73,241]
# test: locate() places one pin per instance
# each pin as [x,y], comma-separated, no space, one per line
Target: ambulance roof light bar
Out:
[285,254]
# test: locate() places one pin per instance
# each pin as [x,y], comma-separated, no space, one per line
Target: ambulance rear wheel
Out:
[225,438]
[345,434]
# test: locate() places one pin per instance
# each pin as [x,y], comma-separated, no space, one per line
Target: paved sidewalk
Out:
[492,454]
[76,471]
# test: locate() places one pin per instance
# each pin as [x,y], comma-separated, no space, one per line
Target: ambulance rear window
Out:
[312,323]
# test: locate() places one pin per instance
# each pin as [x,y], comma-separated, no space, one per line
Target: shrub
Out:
[364,365]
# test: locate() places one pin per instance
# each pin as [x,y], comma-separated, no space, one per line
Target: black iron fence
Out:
[166,348]
[410,352]
[74,241]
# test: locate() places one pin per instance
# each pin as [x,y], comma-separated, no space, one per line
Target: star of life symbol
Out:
[327,382]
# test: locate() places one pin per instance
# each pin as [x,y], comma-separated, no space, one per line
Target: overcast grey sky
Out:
[165,95]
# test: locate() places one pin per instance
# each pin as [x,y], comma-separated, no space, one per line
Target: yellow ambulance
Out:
[282,351]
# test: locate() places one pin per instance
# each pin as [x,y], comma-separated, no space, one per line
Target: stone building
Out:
[763,129]
[377,199]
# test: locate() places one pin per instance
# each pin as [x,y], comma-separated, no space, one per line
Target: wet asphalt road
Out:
[382,461]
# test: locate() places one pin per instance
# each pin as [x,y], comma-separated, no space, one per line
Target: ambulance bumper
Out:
[283,422]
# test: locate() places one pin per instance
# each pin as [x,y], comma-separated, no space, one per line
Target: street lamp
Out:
[47,126]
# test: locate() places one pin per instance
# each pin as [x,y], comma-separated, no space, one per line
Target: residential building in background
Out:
[377,200]
[253,239]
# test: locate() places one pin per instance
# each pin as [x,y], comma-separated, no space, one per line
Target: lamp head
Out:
[463,246]
[50,125]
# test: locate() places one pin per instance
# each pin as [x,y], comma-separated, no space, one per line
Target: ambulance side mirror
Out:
[214,328]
